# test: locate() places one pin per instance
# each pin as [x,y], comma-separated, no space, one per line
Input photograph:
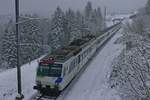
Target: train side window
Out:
[72,65]
[82,56]
[79,59]
[64,72]
[76,61]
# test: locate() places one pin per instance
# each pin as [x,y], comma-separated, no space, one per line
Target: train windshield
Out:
[51,70]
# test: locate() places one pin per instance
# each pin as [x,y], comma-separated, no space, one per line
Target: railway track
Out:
[62,95]
[37,96]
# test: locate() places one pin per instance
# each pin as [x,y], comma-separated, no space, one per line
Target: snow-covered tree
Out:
[31,38]
[81,27]
[44,24]
[88,17]
[88,9]
[57,34]
[148,7]
[100,20]
[131,70]
[93,19]
[73,24]
[8,47]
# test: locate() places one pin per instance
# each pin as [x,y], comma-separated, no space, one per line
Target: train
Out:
[57,69]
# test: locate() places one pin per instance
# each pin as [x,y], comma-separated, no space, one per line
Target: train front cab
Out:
[49,78]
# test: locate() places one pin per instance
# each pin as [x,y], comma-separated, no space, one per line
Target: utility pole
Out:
[19,96]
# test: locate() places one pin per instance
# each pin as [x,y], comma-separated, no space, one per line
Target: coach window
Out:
[76,61]
[64,72]
[79,59]
[82,56]
[72,65]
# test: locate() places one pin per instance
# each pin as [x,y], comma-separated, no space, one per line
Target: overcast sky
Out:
[46,6]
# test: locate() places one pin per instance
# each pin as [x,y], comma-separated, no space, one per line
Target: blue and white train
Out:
[57,69]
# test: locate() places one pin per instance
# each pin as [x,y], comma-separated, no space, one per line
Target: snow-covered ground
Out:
[92,85]
[8,82]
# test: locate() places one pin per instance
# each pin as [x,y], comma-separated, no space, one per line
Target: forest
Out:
[39,35]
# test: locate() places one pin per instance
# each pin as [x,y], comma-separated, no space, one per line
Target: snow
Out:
[92,85]
[8,82]
[109,18]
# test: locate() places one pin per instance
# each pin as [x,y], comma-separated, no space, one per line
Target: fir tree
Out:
[100,20]
[8,49]
[57,35]
[30,39]
[148,6]
[88,9]
[79,21]
[72,27]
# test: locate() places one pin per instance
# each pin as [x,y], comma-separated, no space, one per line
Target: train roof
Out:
[64,53]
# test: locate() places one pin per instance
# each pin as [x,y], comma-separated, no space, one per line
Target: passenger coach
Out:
[57,69]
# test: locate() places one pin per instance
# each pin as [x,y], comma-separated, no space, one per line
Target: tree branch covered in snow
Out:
[131,69]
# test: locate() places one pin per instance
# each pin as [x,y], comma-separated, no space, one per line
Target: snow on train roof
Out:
[64,53]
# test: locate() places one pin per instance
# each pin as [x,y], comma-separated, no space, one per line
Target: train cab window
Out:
[51,70]
[55,70]
[43,70]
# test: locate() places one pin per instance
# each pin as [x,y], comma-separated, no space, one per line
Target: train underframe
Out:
[48,91]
